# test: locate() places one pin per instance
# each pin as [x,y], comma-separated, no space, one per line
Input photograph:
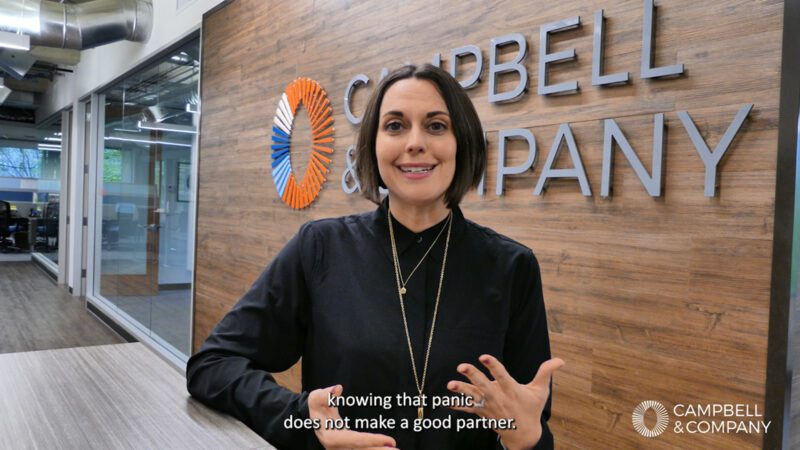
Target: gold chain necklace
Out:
[400,292]
[405,283]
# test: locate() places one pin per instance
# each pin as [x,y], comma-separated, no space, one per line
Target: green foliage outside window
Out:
[112,165]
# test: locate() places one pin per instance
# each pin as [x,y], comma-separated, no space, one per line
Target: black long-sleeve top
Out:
[330,297]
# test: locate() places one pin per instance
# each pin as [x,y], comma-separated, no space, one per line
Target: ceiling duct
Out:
[78,26]
[16,62]
[19,99]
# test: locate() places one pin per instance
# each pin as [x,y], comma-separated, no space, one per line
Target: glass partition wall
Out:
[30,184]
[144,205]
[44,226]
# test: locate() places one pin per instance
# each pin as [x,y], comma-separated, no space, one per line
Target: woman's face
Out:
[415,145]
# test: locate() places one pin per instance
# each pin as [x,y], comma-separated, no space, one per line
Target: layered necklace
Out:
[401,290]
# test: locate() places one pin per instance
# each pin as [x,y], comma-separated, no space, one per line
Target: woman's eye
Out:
[437,126]
[393,126]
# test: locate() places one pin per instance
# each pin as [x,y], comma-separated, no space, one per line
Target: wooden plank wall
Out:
[647,298]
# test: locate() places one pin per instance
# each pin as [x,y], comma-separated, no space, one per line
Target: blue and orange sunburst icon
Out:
[301,193]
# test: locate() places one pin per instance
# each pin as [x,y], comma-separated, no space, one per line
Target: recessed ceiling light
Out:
[166,127]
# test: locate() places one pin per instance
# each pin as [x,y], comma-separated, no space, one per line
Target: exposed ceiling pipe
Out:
[78,26]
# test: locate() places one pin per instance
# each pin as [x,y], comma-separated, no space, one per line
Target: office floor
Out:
[36,314]
[167,315]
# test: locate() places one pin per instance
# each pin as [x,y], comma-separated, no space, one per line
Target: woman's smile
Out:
[416,171]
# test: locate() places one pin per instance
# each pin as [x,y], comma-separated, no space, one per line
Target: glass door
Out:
[144,209]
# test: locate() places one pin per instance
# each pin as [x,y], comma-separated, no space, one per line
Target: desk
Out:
[21,223]
[21,232]
[120,396]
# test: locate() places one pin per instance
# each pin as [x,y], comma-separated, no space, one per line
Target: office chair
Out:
[51,224]
[5,222]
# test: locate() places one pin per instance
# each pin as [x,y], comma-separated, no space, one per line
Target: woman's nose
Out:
[416,140]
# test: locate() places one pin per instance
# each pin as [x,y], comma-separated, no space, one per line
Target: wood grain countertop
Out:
[120,396]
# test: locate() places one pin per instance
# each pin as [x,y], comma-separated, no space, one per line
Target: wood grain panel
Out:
[647,298]
[107,396]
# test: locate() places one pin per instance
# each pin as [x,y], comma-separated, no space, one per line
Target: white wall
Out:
[101,65]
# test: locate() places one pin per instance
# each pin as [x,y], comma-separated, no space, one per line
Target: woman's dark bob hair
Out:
[470,143]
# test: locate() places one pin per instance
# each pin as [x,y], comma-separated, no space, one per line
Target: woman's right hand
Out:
[334,439]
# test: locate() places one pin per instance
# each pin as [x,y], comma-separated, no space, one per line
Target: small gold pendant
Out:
[402,291]
[419,412]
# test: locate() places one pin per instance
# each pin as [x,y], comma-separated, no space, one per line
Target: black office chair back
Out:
[51,219]
[51,210]
[5,219]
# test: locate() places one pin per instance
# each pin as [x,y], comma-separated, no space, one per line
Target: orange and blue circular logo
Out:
[297,192]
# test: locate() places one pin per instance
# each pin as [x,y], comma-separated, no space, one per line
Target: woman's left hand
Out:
[504,398]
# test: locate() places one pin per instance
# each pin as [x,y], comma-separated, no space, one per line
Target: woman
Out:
[411,303]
